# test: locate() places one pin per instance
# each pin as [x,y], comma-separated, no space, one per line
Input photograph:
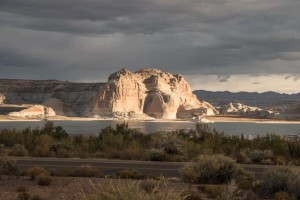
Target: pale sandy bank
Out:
[218,118]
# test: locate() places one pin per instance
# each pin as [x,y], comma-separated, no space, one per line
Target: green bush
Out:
[173,146]
[156,155]
[43,179]
[34,172]
[257,156]
[85,171]
[8,167]
[213,169]
[281,179]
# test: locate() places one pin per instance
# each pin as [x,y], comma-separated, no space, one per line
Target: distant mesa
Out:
[146,93]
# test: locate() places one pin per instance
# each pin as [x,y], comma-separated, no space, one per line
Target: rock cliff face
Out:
[148,91]
[244,110]
[66,98]
[2,98]
[34,111]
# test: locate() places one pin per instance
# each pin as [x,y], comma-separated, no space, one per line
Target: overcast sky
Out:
[235,45]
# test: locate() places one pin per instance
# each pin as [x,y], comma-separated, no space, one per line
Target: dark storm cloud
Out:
[87,40]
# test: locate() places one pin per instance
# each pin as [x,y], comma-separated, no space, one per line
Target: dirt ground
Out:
[62,188]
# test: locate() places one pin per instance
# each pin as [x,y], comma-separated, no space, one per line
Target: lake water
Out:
[94,127]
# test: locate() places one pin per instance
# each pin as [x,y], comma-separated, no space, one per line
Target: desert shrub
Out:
[22,188]
[245,182]
[267,162]
[8,167]
[10,137]
[34,172]
[173,146]
[280,180]
[2,150]
[43,179]
[18,150]
[280,160]
[23,196]
[193,193]
[85,171]
[213,169]
[294,148]
[36,197]
[241,157]
[257,156]
[283,196]
[212,191]
[128,190]
[56,132]
[62,172]
[130,174]
[203,131]
[148,185]
[156,155]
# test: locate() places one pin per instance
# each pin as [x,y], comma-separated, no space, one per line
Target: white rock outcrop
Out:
[34,111]
[2,98]
[244,110]
[148,91]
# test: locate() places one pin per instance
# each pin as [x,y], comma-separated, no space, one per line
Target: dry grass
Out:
[62,187]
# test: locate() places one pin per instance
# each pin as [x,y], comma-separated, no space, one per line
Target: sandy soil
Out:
[67,188]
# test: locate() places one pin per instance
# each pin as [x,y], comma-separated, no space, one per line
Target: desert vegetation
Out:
[122,142]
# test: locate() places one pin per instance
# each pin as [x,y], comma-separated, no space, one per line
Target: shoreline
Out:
[212,119]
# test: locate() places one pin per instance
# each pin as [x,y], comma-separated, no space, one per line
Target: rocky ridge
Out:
[149,92]
[244,110]
[36,111]
[66,98]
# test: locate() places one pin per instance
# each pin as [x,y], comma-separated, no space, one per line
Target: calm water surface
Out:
[94,127]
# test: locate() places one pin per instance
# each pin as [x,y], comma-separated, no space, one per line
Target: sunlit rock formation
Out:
[34,111]
[2,98]
[148,91]
[244,110]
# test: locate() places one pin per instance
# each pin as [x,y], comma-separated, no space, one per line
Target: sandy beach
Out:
[217,118]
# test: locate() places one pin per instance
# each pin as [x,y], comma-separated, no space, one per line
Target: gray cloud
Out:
[295,77]
[223,78]
[87,40]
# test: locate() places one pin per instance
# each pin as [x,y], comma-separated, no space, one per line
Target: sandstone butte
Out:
[141,94]
[150,92]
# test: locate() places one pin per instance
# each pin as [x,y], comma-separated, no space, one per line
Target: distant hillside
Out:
[264,100]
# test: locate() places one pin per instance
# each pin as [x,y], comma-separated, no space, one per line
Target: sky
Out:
[232,45]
